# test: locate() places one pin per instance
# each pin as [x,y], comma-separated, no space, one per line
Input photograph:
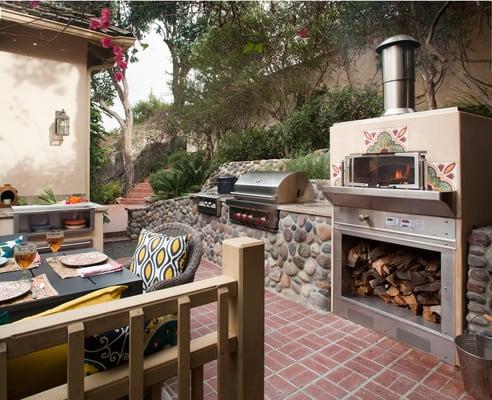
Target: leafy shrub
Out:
[184,173]
[308,128]
[250,144]
[168,184]
[315,166]
[304,130]
[107,193]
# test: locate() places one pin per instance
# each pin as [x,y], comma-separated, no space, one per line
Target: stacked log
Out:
[399,276]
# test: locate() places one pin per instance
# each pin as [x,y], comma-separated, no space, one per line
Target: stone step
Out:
[135,197]
[132,201]
[141,190]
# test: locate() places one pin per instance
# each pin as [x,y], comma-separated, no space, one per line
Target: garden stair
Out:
[139,194]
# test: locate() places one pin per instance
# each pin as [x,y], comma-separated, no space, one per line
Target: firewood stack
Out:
[398,276]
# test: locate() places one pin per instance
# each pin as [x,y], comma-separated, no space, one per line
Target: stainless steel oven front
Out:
[405,170]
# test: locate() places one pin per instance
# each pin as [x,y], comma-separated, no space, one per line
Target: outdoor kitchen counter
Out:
[321,208]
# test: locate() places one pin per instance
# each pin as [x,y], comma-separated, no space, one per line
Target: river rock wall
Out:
[479,285]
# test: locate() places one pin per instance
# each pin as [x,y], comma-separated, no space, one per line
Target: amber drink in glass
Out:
[55,240]
[24,255]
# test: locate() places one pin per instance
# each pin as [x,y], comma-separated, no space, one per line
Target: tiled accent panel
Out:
[297,257]
[479,285]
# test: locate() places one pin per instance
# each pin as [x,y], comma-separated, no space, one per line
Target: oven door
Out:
[394,170]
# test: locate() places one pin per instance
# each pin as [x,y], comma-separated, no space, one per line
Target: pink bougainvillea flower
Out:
[303,33]
[118,76]
[118,51]
[121,63]
[105,18]
[94,24]
[107,42]
[34,4]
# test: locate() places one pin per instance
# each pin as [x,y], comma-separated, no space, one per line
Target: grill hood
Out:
[274,187]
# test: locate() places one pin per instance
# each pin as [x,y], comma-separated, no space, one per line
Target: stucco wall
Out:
[36,80]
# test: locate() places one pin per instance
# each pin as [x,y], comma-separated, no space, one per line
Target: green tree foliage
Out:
[304,130]
[143,110]
[250,144]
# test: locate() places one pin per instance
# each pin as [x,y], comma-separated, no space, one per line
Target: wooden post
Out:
[184,337]
[75,361]
[243,259]
[223,343]
[136,354]
[197,383]
[3,371]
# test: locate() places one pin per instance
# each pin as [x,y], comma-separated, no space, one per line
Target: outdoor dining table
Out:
[69,288]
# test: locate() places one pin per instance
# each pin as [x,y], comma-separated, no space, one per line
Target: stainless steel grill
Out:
[257,194]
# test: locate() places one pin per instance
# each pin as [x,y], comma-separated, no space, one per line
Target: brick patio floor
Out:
[314,355]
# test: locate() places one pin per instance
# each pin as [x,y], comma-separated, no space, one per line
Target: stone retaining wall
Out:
[479,285]
[297,257]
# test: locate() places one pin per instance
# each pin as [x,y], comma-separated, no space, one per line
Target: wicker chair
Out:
[192,261]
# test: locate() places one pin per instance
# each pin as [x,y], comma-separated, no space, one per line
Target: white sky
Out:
[152,73]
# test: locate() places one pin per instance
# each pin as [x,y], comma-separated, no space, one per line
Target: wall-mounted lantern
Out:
[62,123]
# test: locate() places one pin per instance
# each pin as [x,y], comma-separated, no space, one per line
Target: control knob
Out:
[364,217]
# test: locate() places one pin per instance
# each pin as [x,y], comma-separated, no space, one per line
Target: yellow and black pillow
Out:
[159,257]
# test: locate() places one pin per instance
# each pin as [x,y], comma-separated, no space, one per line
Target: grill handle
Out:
[267,197]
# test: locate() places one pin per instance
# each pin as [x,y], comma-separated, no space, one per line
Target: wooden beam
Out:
[75,361]
[223,382]
[34,22]
[184,348]
[197,383]
[158,367]
[136,354]
[105,316]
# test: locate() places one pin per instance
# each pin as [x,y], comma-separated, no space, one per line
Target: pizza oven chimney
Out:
[398,61]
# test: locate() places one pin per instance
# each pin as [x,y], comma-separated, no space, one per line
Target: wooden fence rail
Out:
[237,345]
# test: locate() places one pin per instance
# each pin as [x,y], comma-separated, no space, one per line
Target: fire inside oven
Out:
[385,170]
[397,279]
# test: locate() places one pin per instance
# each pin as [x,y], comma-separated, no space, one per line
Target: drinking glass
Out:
[55,240]
[24,254]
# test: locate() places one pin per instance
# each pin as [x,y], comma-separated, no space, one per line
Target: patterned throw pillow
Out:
[159,257]
[110,349]
[7,248]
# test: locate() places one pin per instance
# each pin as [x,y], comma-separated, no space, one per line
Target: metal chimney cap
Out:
[402,40]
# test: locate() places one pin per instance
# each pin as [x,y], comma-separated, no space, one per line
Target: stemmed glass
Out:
[55,240]
[24,254]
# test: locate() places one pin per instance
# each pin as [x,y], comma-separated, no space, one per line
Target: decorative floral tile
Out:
[442,176]
[336,174]
[386,140]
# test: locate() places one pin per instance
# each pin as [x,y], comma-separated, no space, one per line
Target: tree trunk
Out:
[430,91]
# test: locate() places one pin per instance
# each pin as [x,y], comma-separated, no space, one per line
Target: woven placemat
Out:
[66,272]
[12,266]
[41,288]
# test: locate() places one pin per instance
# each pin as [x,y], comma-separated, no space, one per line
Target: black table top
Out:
[69,288]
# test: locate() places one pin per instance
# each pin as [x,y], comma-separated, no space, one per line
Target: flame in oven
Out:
[401,174]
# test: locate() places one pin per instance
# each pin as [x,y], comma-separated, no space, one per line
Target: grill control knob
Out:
[364,217]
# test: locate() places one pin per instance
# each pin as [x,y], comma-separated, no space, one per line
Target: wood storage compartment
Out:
[401,276]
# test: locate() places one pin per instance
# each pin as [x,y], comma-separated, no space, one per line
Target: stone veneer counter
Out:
[297,257]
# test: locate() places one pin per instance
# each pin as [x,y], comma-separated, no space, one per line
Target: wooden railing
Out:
[237,345]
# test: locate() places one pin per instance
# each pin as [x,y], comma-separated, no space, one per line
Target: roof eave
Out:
[42,23]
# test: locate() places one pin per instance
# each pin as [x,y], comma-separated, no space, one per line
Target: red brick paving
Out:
[314,355]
